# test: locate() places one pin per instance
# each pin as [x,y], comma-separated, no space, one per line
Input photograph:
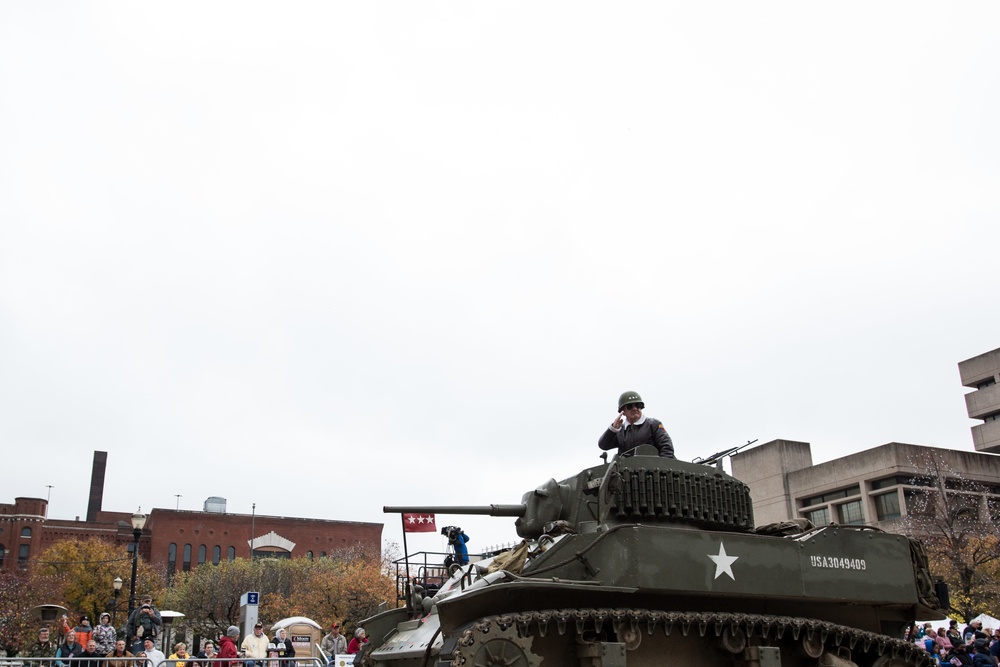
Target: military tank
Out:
[652,561]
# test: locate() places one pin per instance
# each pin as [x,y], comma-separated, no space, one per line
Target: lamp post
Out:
[138,521]
[253,517]
[117,583]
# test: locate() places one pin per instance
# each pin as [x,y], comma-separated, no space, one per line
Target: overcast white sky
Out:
[324,257]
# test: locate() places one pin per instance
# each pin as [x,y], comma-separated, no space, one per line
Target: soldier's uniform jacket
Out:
[646,431]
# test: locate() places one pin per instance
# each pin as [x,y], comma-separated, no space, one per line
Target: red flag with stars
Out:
[419,523]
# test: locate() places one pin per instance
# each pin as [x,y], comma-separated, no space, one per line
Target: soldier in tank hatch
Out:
[631,428]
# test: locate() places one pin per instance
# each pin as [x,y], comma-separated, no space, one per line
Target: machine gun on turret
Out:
[716,458]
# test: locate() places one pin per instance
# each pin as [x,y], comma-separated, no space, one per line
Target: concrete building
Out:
[878,486]
[982,374]
[177,539]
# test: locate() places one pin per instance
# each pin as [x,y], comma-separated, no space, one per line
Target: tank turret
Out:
[647,560]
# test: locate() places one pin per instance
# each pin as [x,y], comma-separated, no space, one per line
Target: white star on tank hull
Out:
[723,562]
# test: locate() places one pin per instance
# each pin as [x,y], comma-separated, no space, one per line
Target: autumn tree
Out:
[952,516]
[17,626]
[209,595]
[81,573]
[76,574]
[348,585]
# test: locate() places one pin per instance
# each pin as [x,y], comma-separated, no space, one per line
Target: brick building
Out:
[177,539]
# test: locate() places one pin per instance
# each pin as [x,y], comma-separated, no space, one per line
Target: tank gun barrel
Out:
[482,510]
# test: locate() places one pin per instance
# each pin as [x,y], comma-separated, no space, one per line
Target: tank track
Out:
[735,630]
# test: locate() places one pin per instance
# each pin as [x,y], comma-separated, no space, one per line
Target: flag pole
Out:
[406,558]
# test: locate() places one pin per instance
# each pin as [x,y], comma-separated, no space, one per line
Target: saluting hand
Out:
[618,422]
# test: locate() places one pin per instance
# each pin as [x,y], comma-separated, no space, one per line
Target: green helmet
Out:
[629,397]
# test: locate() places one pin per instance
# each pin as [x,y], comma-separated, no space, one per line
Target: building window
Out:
[171,558]
[851,513]
[919,502]
[322,554]
[993,507]
[202,554]
[186,565]
[831,495]
[963,508]
[3,552]
[309,555]
[22,556]
[820,517]
[26,532]
[232,553]
[216,554]
[887,506]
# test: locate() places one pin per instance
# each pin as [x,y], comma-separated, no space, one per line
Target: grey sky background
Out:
[326,257]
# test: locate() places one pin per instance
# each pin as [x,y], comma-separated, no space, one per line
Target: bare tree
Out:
[952,516]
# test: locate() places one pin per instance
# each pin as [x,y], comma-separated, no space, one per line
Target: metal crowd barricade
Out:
[17,661]
[145,662]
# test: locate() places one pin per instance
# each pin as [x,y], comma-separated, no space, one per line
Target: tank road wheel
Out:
[487,645]
[499,652]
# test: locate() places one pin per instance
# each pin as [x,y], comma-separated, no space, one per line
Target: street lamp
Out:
[117,583]
[138,521]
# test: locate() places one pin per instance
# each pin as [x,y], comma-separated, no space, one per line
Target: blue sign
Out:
[252,598]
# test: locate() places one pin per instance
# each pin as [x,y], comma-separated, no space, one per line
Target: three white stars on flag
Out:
[418,519]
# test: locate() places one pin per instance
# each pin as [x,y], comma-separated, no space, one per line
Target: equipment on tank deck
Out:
[651,561]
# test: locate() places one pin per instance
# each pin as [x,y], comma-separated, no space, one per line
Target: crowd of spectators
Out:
[137,646]
[972,647]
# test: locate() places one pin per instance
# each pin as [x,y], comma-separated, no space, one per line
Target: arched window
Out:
[22,556]
[186,565]
[3,552]
[202,552]
[232,553]
[309,555]
[26,532]
[172,558]
[322,554]
[216,554]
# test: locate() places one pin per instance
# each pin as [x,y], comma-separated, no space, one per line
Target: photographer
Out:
[457,539]
[143,622]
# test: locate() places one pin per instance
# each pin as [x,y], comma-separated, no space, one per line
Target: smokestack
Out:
[97,485]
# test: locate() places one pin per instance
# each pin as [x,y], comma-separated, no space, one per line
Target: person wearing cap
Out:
[227,646]
[954,635]
[631,428]
[144,621]
[83,630]
[43,648]
[154,656]
[105,635]
[255,644]
[334,642]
